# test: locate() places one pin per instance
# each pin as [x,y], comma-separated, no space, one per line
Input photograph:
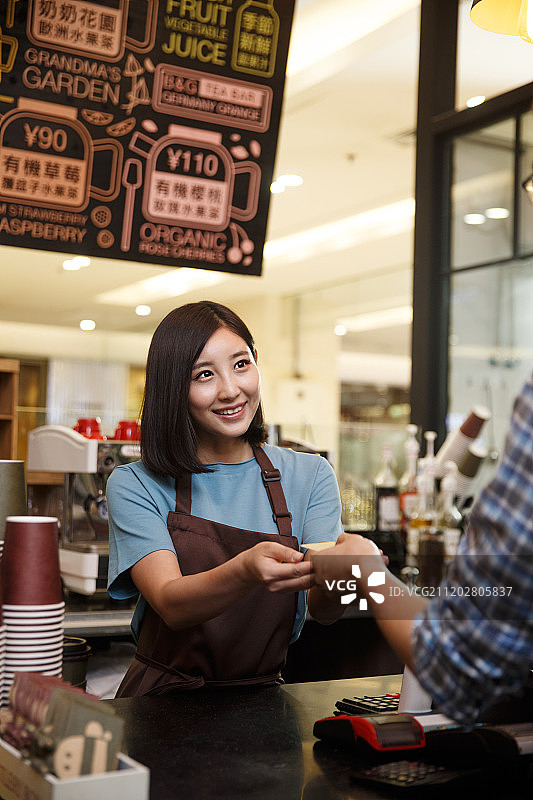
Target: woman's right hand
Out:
[277,567]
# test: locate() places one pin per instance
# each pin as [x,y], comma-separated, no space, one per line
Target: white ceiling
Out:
[347,129]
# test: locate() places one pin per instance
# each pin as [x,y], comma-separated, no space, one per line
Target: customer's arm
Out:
[393,606]
[473,642]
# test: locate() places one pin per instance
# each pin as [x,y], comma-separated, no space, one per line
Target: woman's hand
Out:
[277,567]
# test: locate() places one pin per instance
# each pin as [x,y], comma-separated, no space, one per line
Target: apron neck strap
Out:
[183,493]
[271,481]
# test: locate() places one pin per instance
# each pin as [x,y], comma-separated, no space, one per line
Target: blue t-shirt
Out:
[233,494]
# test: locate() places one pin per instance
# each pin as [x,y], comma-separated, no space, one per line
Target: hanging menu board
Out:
[143,130]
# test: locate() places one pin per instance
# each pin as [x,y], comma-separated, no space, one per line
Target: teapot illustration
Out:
[47,157]
[190,179]
[97,29]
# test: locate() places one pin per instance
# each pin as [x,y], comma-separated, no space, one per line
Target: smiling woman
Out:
[210,525]
[224,397]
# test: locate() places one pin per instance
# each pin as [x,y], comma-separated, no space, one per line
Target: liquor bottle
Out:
[429,458]
[431,558]
[407,483]
[386,494]
[423,515]
[427,533]
[451,519]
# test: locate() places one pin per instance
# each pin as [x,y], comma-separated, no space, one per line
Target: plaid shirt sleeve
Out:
[474,642]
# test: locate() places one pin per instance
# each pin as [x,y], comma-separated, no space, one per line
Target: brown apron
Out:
[246,644]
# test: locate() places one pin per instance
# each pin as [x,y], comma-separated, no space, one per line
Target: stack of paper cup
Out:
[456,445]
[468,468]
[33,606]
[3,635]
[12,493]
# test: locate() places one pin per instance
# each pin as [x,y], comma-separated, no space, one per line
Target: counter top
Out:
[257,744]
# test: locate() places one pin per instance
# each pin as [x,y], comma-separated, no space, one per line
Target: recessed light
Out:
[290,180]
[143,311]
[73,264]
[474,219]
[475,101]
[87,325]
[276,188]
[497,213]
[340,330]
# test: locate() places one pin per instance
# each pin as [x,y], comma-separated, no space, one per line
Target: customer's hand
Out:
[277,567]
[337,562]
[354,544]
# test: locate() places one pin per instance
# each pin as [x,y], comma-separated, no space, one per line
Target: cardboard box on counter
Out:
[20,781]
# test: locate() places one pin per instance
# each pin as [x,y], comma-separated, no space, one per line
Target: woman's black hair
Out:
[168,437]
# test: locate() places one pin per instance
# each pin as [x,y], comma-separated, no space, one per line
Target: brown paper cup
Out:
[30,562]
[473,424]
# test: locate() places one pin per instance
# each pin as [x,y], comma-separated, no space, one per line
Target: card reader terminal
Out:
[380,732]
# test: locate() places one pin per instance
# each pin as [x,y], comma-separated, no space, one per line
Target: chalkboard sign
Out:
[143,130]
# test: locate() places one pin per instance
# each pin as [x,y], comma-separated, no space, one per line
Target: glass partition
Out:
[525,177]
[490,345]
[490,348]
[482,197]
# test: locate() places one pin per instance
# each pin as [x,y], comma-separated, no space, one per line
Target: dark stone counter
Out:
[258,744]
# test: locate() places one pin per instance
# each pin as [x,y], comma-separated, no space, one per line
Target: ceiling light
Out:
[319,35]
[475,101]
[378,223]
[290,180]
[340,330]
[171,283]
[276,188]
[474,219]
[512,17]
[374,320]
[497,213]
[73,264]
[87,325]
[143,311]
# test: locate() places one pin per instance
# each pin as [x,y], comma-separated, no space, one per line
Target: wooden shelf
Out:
[9,388]
[45,478]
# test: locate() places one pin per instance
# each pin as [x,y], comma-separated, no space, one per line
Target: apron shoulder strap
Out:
[272,483]
[183,493]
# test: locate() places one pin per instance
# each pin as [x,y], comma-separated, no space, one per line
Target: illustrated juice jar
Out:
[190,179]
[47,157]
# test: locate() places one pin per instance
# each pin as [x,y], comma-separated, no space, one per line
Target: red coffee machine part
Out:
[89,427]
[127,431]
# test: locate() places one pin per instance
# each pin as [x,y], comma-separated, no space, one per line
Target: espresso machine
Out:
[83,523]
